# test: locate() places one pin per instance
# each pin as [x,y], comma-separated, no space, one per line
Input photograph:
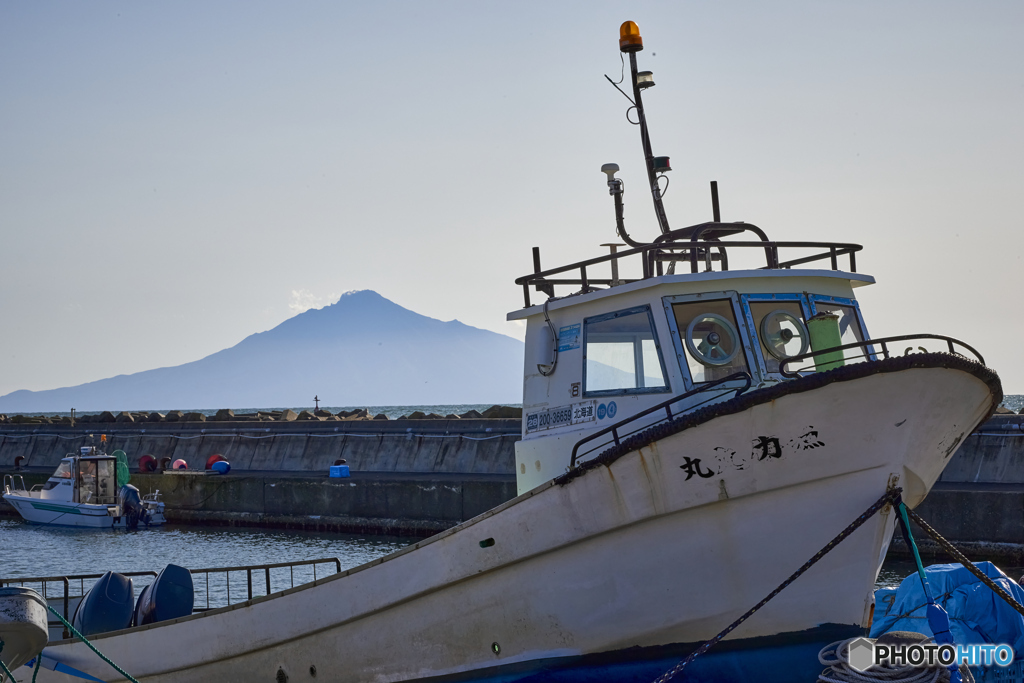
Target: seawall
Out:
[413,477]
[978,502]
[477,446]
[422,476]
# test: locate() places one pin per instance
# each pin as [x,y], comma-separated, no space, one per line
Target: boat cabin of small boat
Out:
[82,491]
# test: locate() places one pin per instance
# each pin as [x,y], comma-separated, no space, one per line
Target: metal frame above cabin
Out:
[685,245]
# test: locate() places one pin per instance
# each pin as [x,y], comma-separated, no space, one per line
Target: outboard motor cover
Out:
[131,507]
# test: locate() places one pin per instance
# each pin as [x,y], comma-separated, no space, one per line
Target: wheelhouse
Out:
[87,478]
[650,348]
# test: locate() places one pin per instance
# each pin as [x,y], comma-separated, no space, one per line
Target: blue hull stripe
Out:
[770,659]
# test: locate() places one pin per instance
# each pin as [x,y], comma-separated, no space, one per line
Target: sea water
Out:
[31,551]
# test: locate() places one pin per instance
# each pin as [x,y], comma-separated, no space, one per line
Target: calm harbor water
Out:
[36,551]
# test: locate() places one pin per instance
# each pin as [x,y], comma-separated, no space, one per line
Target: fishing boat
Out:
[83,491]
[693,431]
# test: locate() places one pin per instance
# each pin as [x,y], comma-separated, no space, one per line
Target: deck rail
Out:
[11,483]
[64,596]
[66,593]
[684,245]
[616,436]
[259,568]
[868,352]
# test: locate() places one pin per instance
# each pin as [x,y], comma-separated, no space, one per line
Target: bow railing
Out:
[617,436]
[868,352]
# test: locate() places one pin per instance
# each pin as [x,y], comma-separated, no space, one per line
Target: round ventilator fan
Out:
[783,334]
[712,339]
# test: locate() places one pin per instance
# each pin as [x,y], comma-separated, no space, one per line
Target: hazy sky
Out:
[177,176]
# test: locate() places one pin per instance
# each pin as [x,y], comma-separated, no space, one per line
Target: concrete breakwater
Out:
[421,476]
[479,446]
[408,476]
[228,415]
[367,502]
[978,502]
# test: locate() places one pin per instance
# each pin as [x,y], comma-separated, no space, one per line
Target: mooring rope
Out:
[968,565]
[890,497]
[7,671]
[90,645]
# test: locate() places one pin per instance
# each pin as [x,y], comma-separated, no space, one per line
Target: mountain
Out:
[362,350]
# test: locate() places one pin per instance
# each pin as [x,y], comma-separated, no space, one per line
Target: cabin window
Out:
[621,354]
[106,482]
[64,470]
[711,338]
[849,326]
[781,331]
[87,481]
[96,482]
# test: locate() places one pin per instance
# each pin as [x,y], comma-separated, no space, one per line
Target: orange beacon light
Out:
[629,37]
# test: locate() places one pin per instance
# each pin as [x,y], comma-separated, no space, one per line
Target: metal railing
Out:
[10,483]
[869,353]
[64,594]
[259,568]
[685,245]
[669,415]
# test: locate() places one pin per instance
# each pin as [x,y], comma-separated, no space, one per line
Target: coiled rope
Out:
[837,656]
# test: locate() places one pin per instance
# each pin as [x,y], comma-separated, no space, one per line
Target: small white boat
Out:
[83,492]
[689,440]
[23,629]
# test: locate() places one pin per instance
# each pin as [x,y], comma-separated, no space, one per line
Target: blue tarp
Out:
[976,614]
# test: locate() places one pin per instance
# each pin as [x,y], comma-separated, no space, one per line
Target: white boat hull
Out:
[647,550]
[65,513]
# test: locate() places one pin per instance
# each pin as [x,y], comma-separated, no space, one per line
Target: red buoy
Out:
[216,457]
[147,463]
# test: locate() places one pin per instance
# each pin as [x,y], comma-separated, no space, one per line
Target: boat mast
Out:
[631,43]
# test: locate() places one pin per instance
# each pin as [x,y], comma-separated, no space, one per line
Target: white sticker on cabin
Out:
[576,413]
[569,338]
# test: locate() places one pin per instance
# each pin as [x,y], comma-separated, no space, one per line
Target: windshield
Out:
[64,470]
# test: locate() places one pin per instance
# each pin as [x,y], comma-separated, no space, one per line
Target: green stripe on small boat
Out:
[50,507]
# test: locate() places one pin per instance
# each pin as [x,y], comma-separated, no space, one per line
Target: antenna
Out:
[631,42]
